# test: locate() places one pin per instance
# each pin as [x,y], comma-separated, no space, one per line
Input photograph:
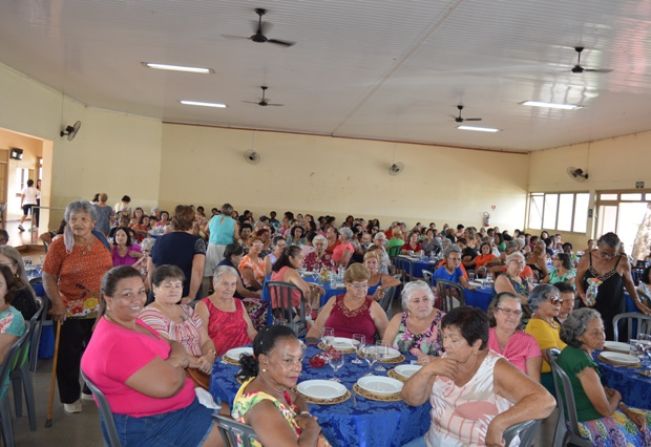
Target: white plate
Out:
[380,385]
[617,357]
[617,346]
[321,389]
[407,370]
[235,353]
[343,344]
[390,352]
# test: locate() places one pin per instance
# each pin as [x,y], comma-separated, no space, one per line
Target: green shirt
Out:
[573,361]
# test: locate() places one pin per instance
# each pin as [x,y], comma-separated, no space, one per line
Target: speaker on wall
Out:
[16,153]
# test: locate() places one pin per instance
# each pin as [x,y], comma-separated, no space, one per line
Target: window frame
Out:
[558,201]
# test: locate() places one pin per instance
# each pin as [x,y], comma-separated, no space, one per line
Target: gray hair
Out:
[379,235]
[147,244]
[539,294]
[77,206]
[576,324]
[320,237]
[454,248]
[223,270]
[346,233]
[513,256]
[514,245]
[414,286]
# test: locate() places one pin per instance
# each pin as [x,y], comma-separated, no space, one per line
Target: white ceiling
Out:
[381,69]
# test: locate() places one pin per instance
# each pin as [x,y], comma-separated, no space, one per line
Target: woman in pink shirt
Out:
[506,338]
[142,374]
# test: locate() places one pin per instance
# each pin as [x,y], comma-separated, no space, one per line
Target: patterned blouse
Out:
[429,342]
[186,332]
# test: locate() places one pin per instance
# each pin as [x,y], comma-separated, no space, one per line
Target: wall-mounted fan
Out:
[577,174]
[70,131]
[252,157]
[396,168]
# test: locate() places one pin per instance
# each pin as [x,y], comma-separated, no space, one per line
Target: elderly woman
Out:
[278,246]
[267,399]
[562,271]
[475,393]
[380,241]
[222,230]
[378,283]
[545,303]
[125,251]
[537,260]
[607,271]
[252,266]
[416,330]
[342,253]
[354,312]
[182,249]
[603,418]
[319,258]
[225,317]
[451,269]
[176,321]
[286,270]
[511,280]
[506,338]
[142,373]
[23,296]
[72,272]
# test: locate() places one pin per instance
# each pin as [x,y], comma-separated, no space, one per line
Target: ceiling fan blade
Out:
[252,102]
[281,42]
[598,70]
[230,36]
[275,104]
[472,119]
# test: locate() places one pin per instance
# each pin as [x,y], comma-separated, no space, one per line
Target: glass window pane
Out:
[549,221]
[565,208]
[607,219]
[631,196]
[607,196]
[631,215]
[535,211]
[581,204]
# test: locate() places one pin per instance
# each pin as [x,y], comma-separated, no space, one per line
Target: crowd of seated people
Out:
[206,279]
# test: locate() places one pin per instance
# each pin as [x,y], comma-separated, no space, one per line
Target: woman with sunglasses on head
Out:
[607,271]
[507,339]
[545,303]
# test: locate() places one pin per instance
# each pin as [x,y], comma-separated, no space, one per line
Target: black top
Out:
[178,248]
[610,297]
[25,303]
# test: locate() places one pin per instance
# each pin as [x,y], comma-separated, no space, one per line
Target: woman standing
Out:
[222,229]
[606,271]
[72,273]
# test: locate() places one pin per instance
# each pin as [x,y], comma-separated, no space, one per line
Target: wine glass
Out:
[336,361]
[370,356]
[359,348]
[328,336]
[381,352]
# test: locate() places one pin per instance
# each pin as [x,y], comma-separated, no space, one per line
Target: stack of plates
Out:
[326,392]
[617,358]
[404,372]
[379,388]
[617,346]
[390,355]
[232,356]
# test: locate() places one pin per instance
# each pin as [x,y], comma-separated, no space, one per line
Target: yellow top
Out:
[547,335]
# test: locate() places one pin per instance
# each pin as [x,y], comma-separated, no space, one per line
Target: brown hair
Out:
[183,217]
[356,272]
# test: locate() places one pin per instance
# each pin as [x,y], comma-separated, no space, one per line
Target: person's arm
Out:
[267,265]
[632,291]
[379,317]
[531,400]
[418,388]
[6,340]
[50,284]
[272,429]
[250,329]
[249,276]
[317,328]
[604,402]
[581,270]
[533,366]
[159,378]
[391,330]
[207,358]
[502,284]
[150,272]
[244,292]
[198,263]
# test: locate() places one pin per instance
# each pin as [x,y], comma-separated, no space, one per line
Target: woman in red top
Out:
[353,312]
[229,326]
[412,244]
[285,269]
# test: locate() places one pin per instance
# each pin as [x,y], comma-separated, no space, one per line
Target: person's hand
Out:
[442,367]
[308,424]
[643,308]
[494,435]
[613,394]
[638,419]
[58,311]
[204,363]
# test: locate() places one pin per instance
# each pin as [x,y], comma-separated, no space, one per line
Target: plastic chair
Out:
[387,301]
[567,429]
[427,276]
[21,375]
[232,431]
[641,322]
[35,341]
[6,420]
[105,416]
[450,295]
[284,312]
[525,431]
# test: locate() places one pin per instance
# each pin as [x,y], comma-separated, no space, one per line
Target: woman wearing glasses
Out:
[545,303]
[506,338]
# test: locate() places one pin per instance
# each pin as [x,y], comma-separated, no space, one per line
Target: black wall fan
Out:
[460,119]
[260,30]
[70,131]
[263,100]
[578,68]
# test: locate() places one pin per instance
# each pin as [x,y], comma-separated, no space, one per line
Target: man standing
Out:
[28,200]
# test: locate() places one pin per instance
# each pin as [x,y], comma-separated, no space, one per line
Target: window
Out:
[622,212]
[559,211]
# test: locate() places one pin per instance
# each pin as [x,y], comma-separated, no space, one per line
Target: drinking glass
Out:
[328,336]
[336,361]
[370,356]
[359,349]
[381,352]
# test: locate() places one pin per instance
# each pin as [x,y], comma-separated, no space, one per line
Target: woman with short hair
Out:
[319,258]
[511,280]
[222,229]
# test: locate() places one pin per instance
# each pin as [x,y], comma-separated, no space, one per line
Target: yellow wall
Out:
[613,163]
[318,175]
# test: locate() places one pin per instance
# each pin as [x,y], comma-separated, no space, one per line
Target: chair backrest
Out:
[387,300]
[525,431]
[427,276]
[106,417]
[564,393]
[233,432]
[36,322]
[450,295]
[11,360]
[284,312]
[636,324]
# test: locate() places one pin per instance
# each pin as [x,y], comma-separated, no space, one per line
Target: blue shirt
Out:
[222,229]
[442,273]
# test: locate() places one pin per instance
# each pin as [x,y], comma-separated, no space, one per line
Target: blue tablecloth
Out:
[480,298]
[368,424]
[634,388]
[415,266]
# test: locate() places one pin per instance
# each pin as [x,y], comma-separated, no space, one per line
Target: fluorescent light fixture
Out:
[551,105]
[478,129]
[216,105]
[183,68]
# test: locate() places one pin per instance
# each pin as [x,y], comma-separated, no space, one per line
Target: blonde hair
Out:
[356,272]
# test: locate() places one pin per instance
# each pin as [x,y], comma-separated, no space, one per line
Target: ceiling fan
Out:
[578,68]
[460,119]
[263,101]
[260,31]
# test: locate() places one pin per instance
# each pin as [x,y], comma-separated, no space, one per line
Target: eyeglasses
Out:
[555,300]
[515,313]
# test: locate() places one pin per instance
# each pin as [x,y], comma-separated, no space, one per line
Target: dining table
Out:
[633,382]
[358,421]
